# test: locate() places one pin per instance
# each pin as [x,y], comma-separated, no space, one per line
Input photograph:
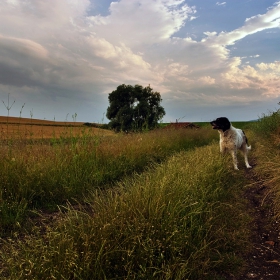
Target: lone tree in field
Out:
[134,108]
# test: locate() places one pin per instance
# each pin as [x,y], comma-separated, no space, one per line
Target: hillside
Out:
[25,121]
[15,127]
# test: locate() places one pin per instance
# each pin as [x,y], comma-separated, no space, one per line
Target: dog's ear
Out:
[225,123]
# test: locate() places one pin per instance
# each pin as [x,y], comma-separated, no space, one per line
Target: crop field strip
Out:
[23,128]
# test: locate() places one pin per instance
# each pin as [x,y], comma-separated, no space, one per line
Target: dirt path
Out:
[263,261]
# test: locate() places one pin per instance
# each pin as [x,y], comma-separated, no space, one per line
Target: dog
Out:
[231,139]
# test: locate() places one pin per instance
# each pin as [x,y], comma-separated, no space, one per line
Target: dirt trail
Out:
[263,261]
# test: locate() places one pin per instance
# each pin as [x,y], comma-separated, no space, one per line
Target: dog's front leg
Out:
[234,158]
[222,148]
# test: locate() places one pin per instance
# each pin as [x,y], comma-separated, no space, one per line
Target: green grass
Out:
[267,131]
[181,219]
[41,175]
[268,124]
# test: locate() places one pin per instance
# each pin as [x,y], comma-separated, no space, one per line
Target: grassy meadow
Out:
[96,205]
[268,156]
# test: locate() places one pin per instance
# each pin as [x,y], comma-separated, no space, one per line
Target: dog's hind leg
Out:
[245,152]
[246,161]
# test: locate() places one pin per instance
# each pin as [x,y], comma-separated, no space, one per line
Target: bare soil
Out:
[263,260]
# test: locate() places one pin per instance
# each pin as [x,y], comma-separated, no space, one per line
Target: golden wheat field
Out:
[26,128]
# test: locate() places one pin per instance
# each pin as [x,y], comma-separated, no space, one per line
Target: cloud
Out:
[252,25]
[57,50]
[263,76]
[221,3]
[20,61]
[125,23]
[86,49]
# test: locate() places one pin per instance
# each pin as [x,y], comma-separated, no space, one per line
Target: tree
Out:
[134,108]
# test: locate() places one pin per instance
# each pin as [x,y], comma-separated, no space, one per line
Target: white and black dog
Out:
[231,139]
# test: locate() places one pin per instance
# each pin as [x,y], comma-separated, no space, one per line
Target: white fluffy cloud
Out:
[144,22]
[264,76]
[252,25]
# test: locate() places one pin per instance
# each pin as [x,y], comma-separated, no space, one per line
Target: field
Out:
[91,204]
[25,128]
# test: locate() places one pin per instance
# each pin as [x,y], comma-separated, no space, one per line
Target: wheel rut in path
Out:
[263,261]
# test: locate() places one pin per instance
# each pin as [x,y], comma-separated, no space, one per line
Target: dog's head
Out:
[221,124]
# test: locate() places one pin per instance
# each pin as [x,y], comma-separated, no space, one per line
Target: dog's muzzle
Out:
[214,125]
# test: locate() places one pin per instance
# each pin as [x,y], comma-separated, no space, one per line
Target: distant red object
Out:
[178,125]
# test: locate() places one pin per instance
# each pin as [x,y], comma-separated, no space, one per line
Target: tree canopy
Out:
[134,108]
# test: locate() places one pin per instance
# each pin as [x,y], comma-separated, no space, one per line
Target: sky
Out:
[60,59]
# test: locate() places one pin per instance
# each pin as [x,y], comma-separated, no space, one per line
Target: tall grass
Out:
[268,156]
[267,124]
[181,219]
[40,175]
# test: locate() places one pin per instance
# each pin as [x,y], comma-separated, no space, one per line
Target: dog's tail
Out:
[246,139]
